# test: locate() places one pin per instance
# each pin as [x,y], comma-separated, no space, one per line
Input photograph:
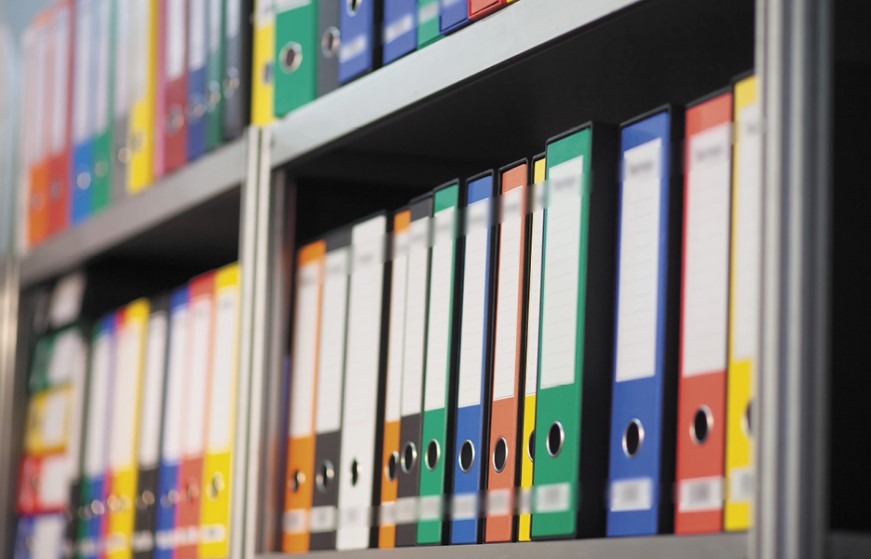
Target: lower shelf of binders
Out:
[710,546]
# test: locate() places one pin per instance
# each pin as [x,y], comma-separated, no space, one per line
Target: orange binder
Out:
[36,102]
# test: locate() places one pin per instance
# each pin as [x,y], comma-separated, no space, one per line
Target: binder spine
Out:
[214,75]
[145,522]
[428,30]
[328,41]
[197,78]
[295,59]
[236,81]
[399,32]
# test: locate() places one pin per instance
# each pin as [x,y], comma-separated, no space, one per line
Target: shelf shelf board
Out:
[205,179]
[478,49]
[710,546]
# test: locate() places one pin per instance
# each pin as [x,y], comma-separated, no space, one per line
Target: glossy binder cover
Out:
[360,46]
[177,371]
[101,149]
[576,327]
[263,65]
[745,298]
[428,22]
[482,8]
[140,135]
[295,60]
[399,31]
[642,451]
[506,408]
[197,79]
[236,87]
[453,15]
[217,490]
[84,107]
[132,329]
[173,121]
[411,399]
[61,38]
[363,400]
[533,314]
[148,452]
[329,41]
[123,48]
[389,465]
[701,415]
[440,372]
[328,400]
[214,74]
[92,514]
[475,360]
[195,415]
[300,474]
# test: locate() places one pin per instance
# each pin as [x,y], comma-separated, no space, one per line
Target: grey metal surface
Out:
[204,179]
[8,332]
[434,69]
[715,546]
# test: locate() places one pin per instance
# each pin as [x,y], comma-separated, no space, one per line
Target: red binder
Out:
[175,89]
[704,315]
[60,64]
[194,428]
[481,8]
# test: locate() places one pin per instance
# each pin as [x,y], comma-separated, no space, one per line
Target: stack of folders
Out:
[316,46]
[137,448]
[456,364]
[122,93]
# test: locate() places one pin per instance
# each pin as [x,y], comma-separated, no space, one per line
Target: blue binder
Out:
[399,32]
[197,78]
[357,20]
[167,484]
[643,414]
[84,107]
[24,538]
[473,407]
[454,15]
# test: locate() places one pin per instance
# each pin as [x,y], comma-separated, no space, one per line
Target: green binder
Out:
[38,379]
[427,22]
[101,186]
[295,54]
[445,294]
[571,443]
[214,74]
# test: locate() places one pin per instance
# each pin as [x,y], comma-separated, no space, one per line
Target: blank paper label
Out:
[48,533]
[138,29]
[632,494]
[222,405]
[53,482]
[197,34]
[123,50]
[60,85]
[214,25]
[553,497]
[440,303]
[638,285]
[152,390]
[474,304]
[175,37]
[82,118]
[198,377]
[234,18]
[534,298]
[98,405]
[415,317]
[702,494]
[395,350]
[101,82]
[55,416]
[706,266]
[748,235]
[305,349]
[176,379]
[559,317]
[508,289]
[125,396]
[334,315]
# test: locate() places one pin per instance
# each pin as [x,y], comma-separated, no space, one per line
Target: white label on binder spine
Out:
[406,510]
[464,506]
[415,321]
[123,50]
[125,395]
[396,341]
[353,48]
[639,262]
[152,390]
[178,369]
[53,481]
[398,28]
[82,118]
[323,519]
[553,497]
[234,19]
[474,304]
[428,12]
[702,494]
[214,25]
[101,80]
[632,494]
[334,316]
[221,403]
[98,399]
[741,485]
[706,260]
[440,304]
[198,377]
[507,303]
[197,35]
[534,298]
[295,521]
[561,274]
[175,37]
[305,348]
[431,507]
[499,502]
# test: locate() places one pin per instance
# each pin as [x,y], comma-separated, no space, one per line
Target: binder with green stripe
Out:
[101,185]
[296,54]
[214,74]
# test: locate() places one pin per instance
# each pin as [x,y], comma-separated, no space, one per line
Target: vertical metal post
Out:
[794,58]
[8,337]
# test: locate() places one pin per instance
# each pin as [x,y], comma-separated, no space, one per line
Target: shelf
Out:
[714,546]
[215,175]
[482,47]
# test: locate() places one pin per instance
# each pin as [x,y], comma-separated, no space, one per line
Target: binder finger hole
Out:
[324,478]
[530,446]
[296,481]
[355,472]
[83,181]
[291,57]
[467,456]
[555,437]
[633,436]
[500,455]
[703,421]
[353,6]
[433,452]
[390,468]
[409,457]
[330,42]
[746,422]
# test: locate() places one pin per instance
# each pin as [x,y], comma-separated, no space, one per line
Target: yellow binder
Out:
[132,329]
[140,137]
[539,166]
[48,421]
[218,460]
[262,82]
[745,292]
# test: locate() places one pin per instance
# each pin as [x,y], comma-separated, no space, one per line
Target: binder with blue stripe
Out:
[473,393]
[84,108]
[197,79]
[360,45]
[643,414]
[399,32]
[453,15]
